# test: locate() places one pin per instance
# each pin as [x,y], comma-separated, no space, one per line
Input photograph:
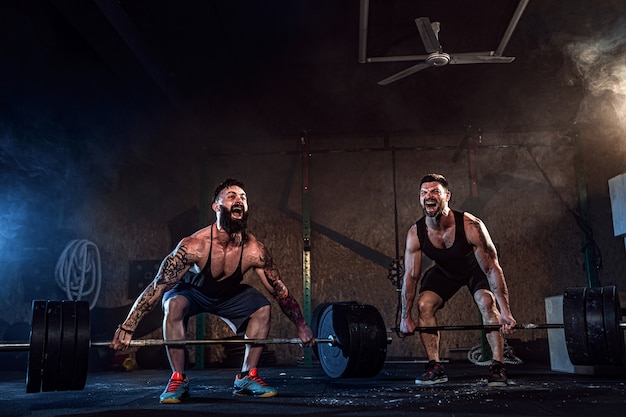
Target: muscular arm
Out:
[172,269]
[487,257]
[270,276]
[412,266]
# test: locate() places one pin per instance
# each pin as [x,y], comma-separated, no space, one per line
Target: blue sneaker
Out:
[177,389]
[251,384]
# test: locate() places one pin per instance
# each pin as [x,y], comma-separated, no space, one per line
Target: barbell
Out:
[591,324]
[351,338]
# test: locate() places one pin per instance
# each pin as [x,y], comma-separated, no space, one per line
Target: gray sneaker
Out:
[497,375]
[434,374]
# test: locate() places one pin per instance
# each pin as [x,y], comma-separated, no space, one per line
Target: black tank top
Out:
[210,286]
[457,261]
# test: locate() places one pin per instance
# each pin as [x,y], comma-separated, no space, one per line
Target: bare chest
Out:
[441,238]
[223,262]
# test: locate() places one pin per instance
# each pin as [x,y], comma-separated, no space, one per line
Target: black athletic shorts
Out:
[436,280]
[234,310]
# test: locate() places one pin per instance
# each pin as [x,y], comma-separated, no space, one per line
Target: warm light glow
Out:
[602,65]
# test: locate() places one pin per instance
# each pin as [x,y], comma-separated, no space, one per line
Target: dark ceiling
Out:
[241,68]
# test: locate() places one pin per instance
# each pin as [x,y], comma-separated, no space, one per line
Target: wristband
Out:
[130,332]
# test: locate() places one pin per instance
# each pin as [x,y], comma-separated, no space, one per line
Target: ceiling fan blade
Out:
[480,59]
[427,33]
[404,73]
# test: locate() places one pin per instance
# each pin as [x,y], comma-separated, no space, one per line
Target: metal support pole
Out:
[306,240]
[473,137]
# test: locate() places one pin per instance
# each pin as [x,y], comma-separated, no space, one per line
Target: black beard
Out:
[231,225]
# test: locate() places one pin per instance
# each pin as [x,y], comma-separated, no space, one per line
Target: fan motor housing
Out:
[438,59]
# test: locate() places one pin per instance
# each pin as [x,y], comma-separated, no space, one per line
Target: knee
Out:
[175,309]
[426,306]
[262,315]
[485,300]
[486,303]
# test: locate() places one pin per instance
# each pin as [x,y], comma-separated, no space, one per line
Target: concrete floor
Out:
[534,390]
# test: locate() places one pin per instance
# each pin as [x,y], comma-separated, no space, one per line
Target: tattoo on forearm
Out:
[146,303]
[167,276]
[290,307]
[285,300]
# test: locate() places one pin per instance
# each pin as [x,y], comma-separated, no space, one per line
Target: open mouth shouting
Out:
[237,211]
[430,205]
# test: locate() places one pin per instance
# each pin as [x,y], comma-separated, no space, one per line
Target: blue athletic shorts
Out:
[436,280]
[234,310]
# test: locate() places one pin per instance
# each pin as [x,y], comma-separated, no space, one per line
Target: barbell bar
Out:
[331,339]
[9,346]
[491,327]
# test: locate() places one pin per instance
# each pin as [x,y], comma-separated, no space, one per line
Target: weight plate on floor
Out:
[315,320]
[83,337]
[68,345]
[594,317]
[333,358]
[368,339]
[613,333]
[362,341]
[37,346]
[575,325]
[50,374]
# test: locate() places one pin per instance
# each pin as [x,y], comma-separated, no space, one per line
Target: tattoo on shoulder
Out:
[265,256]
[485,242]
[273,275]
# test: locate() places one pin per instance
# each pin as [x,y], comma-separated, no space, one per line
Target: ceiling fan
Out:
[429,32]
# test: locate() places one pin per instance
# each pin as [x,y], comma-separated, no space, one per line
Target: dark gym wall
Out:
[352,209]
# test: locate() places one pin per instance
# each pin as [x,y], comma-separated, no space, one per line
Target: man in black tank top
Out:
[463,255]
[204,274]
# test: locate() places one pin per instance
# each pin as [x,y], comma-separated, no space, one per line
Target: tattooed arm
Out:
[172,269]
[270,277]
[487,257]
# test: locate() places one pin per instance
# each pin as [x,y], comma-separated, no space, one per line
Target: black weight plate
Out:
[612,318]
[594,316]
[315,320]
[368,339]
[68,345]
[333,358]
[83,343]
[575,325]
[37,346]
[50,374]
